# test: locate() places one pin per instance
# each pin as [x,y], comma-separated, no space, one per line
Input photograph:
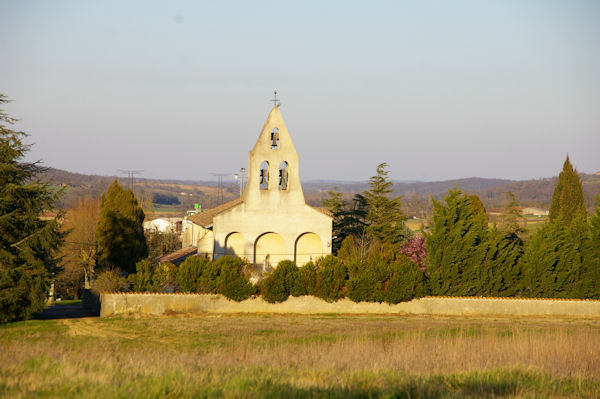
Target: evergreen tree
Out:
[499,273]
[595,224]
[335,204]
[27,244]
[552,264]
[567,199]
[478,206]
[348,219]
[590,276]
[511,220]
[456,246]
[120,235]
[559,258]
[385,218]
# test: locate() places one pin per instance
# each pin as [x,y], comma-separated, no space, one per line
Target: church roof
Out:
[177,257]
[206,218]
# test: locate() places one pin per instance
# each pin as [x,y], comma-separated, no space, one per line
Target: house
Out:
[535,211]
[163,225]
[271,221]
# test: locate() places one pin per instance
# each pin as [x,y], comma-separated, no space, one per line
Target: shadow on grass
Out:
[409,390]
[63,311]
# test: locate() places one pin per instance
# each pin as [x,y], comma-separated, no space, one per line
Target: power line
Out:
[220,190]
[130,173]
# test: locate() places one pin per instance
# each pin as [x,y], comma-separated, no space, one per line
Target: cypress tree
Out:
[552,264]
[28,244]
[500,273]
[120,236]
[567,198]
[455,246]
[590,276]
[595,224]
[555,263]
[385,218]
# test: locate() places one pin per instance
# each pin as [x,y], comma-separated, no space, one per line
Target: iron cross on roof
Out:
[276,102]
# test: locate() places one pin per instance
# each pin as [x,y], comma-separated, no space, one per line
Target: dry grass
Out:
[252,356]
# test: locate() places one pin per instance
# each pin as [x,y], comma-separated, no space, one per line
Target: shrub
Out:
[368,284]
[231,283]
[306,280]
[207,283]
[189,275]
[406,282]
[278,285]
[331,277]
[141,281]
[111,280]
[164,278]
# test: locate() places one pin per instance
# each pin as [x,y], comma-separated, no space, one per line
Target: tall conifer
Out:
[385,218]
[567,199]
[120,235]
[590,285]
[554,264]
[456,245]
[28,244]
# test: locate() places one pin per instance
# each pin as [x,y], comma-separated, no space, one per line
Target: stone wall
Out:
[165,304]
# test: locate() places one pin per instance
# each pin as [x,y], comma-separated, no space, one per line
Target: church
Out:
[270,222]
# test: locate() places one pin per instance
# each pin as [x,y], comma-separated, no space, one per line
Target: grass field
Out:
[300,356]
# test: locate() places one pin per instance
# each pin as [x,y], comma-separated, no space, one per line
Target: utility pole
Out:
[220,191]
[130,174]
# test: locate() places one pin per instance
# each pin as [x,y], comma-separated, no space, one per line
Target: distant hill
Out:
[77,185]
[537,192]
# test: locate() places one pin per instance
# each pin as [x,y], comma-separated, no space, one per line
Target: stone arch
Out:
[269,250]
[234,244]
[283,175]
[264,175]
[309,246]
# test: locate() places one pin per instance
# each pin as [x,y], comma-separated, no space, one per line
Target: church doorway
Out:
[269,250]
[308,247]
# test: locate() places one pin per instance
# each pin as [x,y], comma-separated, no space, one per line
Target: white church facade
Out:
[270,222]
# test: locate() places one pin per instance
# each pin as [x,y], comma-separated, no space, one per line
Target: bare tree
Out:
[81,222]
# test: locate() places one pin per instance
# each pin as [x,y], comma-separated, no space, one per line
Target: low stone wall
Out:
[164,304]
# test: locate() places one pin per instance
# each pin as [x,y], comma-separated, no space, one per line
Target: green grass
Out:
[293,356]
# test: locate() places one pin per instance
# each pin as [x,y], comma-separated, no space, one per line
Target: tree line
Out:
[375,257]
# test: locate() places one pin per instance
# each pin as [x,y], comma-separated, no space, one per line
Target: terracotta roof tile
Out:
[206,218]
[178,256]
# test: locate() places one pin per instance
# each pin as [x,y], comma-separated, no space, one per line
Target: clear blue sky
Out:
[438,89]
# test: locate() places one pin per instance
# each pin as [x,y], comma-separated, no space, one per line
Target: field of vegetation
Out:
[300,356]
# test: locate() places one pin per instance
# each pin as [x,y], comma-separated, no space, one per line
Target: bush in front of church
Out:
[231,281]
[164,278]
[406,282]
[197,275]
[368,283]
[279,284]
[141,280]
[331,278]
[306,280]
